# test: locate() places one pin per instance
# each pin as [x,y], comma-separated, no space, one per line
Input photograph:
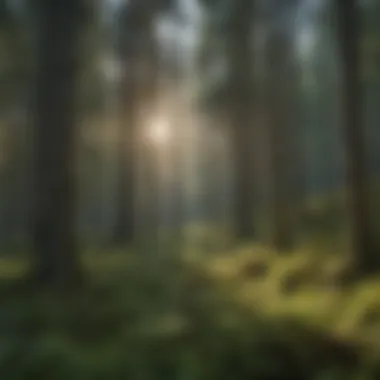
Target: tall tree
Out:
[138,52]
[234,20]
[280,103]
[54,235]
[353,124]
[126,154]
[239,53]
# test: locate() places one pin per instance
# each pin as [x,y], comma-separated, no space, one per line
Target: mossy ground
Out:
[246,313]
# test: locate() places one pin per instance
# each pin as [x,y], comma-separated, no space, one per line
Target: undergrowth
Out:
[183,321]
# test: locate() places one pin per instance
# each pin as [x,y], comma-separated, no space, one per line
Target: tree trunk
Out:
[280,129]
[242,157]
[54,240]
[240,54]
[138,88]
[124,231]
[352,111]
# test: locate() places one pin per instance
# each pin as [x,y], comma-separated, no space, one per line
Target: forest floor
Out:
[204,317]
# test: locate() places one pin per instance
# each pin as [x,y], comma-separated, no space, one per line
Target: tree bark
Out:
[138,90]
[124,231]
[352,113]
[279,113]
[240,56]
[54,230]
[242,157]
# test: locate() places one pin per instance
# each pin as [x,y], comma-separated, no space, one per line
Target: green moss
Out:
[203,319]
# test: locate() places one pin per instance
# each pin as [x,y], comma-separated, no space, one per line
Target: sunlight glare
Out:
[159,132]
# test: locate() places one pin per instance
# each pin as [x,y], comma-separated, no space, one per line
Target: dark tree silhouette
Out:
[353,124]
[233,22]
[54,196]
[240,57]
[138,51]
[130,32]
[280,107]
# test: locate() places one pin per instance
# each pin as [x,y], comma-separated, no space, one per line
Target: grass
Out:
[219,316]
[217,312]
[300,284]
[314,294]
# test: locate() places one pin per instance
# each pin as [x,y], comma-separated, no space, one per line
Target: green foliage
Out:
[229,23]
[130,324]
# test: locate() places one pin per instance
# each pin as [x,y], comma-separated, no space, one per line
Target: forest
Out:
[189,189]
